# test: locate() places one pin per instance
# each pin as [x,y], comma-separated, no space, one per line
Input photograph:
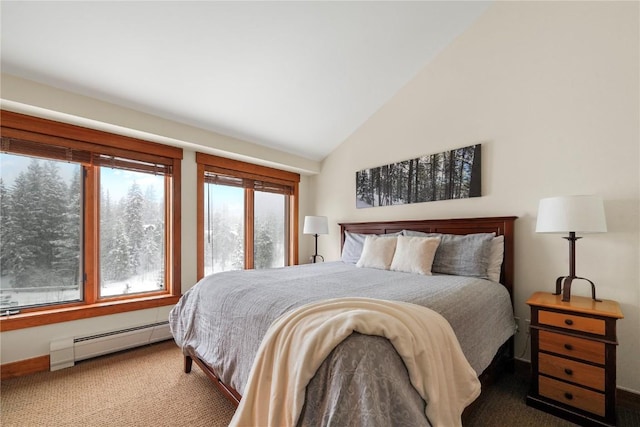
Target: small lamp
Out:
[571,214]
[316,225]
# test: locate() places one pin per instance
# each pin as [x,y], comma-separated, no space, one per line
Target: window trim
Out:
[223,165]
[44,131]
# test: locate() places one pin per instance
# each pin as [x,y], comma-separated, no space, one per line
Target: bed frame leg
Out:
[188,361]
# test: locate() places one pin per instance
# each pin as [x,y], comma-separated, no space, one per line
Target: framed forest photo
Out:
[454,174]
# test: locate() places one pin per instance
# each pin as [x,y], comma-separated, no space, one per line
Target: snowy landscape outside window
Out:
[269,231]
[224,228]
[247,216]
[40,231]
[132,206]
[226,213]
[89,222]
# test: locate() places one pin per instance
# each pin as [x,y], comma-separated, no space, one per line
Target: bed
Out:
[220,322]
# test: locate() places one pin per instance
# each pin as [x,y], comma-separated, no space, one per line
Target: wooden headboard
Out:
[499,225]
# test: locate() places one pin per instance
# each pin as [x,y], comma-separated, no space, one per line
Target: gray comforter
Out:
[224,317]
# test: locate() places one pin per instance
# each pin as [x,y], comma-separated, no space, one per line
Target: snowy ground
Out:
[146,282]
[11,298]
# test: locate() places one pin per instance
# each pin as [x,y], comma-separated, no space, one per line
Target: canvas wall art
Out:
[453,174]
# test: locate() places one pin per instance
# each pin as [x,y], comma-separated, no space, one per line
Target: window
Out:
[89,222]
[247,216]
[40,231]
[270,230]
[223,228]
[132,210]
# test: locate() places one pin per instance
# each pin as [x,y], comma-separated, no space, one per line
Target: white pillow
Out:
[415,254]
[377,252]
[495,259]
[353,244]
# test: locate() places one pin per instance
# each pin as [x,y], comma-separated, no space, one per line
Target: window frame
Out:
[51,133]
[239,169]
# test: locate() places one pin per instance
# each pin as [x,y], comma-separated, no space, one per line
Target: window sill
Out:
[58,315]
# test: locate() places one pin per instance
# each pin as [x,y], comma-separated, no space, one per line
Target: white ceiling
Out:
[295,76]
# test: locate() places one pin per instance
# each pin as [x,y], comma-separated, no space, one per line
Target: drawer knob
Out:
[568,396]
[568,322]
[568,346]
[568,371]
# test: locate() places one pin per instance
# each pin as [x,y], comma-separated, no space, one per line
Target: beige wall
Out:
[551,90]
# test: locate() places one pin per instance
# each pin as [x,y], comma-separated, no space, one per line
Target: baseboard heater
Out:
[65,352]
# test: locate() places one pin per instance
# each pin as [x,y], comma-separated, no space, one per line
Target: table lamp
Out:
[571,214]
[316,225]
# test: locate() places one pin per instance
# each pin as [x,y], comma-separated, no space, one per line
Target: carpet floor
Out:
[147,387]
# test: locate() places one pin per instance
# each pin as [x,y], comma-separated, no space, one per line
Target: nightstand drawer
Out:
[579,348]
[569,370]
[572,322]
[568,394]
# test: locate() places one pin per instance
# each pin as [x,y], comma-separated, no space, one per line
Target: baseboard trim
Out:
[24,367]
[625,398]
[522,367]
[628,399]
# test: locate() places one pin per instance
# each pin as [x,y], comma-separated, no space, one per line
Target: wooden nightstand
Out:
[573,358]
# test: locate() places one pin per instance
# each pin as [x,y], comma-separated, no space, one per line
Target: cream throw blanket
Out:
[297,343]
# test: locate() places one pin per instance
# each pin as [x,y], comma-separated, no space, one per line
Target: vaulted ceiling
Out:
[299,77]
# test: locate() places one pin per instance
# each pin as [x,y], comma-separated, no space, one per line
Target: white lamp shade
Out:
[315,225]
[580,214]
